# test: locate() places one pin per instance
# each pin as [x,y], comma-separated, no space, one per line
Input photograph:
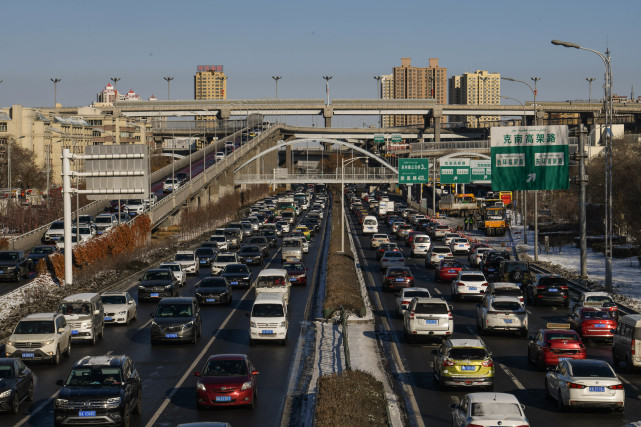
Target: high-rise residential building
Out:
[387,92]
[210,82]
[477,88]
[419,83]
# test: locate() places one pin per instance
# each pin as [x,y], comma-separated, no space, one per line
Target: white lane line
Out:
[625,380]
[512,377]
[35,411]
[191,368]
[143,326]
[438,291]
[470,329]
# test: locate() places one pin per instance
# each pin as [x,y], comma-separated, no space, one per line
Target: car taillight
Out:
[540,287]
[574,385]
[492,312]
[448,362]
[406,301]
[616,387]
[412,314]
[484,284]
[547,349]
[487,363]
[632,345]
[461,284]
[564,287]
[449,315]
[410,277]
[389,278]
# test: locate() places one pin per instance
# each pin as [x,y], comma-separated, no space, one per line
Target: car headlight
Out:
[5,394]
[168,286]
[252,324]
[154,324]
[141,288]
[85,324]
[113,401]
[188,325]
[246,385]
[61,402]
[9,343]
[46,342]
[201,387]
[120,313]
[283,324]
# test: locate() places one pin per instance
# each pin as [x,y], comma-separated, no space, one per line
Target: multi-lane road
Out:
[513,373]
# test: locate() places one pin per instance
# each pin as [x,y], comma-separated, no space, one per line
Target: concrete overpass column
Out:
[328,113]
[437,126]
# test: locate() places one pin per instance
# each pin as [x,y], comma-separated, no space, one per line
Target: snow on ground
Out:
[25,293]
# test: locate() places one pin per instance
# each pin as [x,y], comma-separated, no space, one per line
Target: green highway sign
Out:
[530,158]
[379,138]
[413,171]
[455,171]
[481,171]
[396,138]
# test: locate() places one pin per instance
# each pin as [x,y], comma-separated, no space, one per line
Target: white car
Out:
[170,184]
[501,314]
[428,317]
[396,226]
[221,242]
[284,225]
[220,155]
[404,297]
[220,262]
[119,307]
[55,232]
[585,383]
[593,299]
[436,254]
[392,259]
[40,336]
[476,255]
[460,245]
[504,289]
[105,222]
[421,244]
[177,270]
[469,284]
[188,261]
[488,409]
[377,239]
[447,239]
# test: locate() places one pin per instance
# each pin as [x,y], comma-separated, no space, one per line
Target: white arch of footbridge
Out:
[385,174]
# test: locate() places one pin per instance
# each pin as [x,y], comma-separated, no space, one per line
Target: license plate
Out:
[86,413]
[210,300]
[451,271]
[553,290]
[74,332]
[203,261]
[507,320]
[223,398]
[1,271]
[490,269]
[171,335]
[431,322]
[468,368]
[154,295]
[267,332]
[292,279]
[28,355]
[400,280]
[473,288]
[596,389]
[233,283]
[561,359]
[600,325]
[107,318]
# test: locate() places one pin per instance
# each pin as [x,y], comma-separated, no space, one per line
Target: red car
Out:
[554,344]
[398,277]
[447,270]
[297,272]
[226,380]
[591,322]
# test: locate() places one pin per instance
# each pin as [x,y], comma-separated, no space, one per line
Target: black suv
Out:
[14,265]
[99,390]
[548,289]
[491,262]
[156,284]
[176,319]
[514,272]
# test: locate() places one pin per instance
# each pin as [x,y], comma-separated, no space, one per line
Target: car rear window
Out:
[416,294]
[473,277]
[494,409]
[506,305]
[552,281]
[597,314]
[507,292]
[513,266]
[431,308]
[592,370]
[422,239]
[438,250]
[451,264]
[398,272]
[467,353]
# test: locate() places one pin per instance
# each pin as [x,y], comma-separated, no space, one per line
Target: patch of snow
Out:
[16,298]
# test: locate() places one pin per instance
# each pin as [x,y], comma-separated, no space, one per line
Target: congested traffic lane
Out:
[168,385]
[513,373]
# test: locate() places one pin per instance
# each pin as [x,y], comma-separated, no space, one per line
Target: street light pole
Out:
[276,78]
[55,92]
[607,100]
[523,122]
[115,80]
[590,80]
[343,197]
[168,80]
[379,94]
[536,193]
[327,79]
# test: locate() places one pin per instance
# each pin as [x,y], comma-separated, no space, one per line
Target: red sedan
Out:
[226,380]
[447,270]
[591,322]
[555,344]
[297,272]
[398,277]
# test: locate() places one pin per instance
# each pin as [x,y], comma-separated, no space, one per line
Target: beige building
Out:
[47,133]
[210,82]
[387,92]
[477,88]
[419,83]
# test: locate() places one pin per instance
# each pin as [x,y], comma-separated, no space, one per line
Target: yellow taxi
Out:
[303,229]
[463,362]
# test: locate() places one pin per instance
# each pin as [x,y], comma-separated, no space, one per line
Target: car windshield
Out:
[467,353]
[249,250]
[174,310]
[8,256]
[485,409]
[431,308]
[95,376]
[157,275]
[45,250]
[34,327]
[6,371]
[218,239]
[184,257]
[225,368]
[506,305]
[258,241]
[204,251]
[291,243]
[226,258]
[103,220]
[594,370]
[114,299]
[236,268]
[213,282]
[267,310]
[57,226]
[598,315]
[74,308]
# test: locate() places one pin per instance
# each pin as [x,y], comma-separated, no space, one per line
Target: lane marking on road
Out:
[143,326]
[35,411]
[191,368]
[634,386]
[470,329]
[438,291]
[512,377]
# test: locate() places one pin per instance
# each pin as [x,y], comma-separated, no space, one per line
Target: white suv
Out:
[188,261]
[40,336]
[177,270]
[428,317]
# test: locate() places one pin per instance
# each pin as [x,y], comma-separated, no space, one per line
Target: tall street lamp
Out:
[55,91]
[327,79]
[379,94]
[523,120]
[590,80]
[115,80]
[607,100]
[168,80]
[276,78]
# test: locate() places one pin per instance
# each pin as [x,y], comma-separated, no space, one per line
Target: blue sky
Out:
[85,42]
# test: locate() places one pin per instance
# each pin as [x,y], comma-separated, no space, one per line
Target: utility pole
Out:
[582,214]
[276,78]
[536,193]
[168,80]
[327,79]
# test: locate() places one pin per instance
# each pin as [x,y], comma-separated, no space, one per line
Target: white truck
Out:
[384,206]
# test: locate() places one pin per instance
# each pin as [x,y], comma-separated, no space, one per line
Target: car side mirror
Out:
[61,330]
[22,374]
[434,352]
[452,406]
[96,312]
[531,337]
[196,374]
[60,383]
[131,302]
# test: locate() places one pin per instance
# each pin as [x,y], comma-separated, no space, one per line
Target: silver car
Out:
[501,314]
[392,259]
[488,409]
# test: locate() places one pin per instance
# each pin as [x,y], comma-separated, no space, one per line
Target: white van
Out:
[272,280]
[85,315]
[268,318]
[626,342]
[370,225]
